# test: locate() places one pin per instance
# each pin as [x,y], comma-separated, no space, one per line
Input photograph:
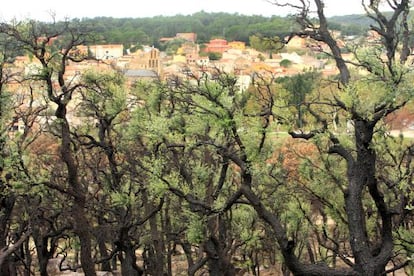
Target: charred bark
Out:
[127,255]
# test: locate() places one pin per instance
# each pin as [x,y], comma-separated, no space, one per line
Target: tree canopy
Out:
[132,31]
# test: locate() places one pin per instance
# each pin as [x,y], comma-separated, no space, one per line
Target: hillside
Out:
[239,27]
[206,25]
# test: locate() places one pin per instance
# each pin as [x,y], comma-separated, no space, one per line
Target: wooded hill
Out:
[239,27]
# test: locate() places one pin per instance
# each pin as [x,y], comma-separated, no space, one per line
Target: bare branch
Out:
[7,251]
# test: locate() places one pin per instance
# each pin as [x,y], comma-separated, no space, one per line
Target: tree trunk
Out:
[170,242]
[27,258]
[5,267]
[106,264]
[101,237]
[79,214]
[219,260]
[128,263]
[85,238]
[6,204]
[43,265]
[218,263]
[42,251]
[362,175]
[127,255]
[156,249]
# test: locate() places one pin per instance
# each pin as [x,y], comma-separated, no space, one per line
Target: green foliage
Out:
[132,31]
[298,87]
[366,94]
[351,24]
[195,231]
[171,47]
[286,63]
[214,56]
[5,112]
[266,44]
[148,31]
[105,94]
[123,197]
[244,219]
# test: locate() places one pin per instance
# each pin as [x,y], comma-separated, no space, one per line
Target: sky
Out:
[42,9]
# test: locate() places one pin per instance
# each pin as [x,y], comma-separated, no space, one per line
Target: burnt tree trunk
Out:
[128,263]
[6,204]
[219,262]
[361,176]
[79,193]
[103,251]
[156,249]
[42,251]
[127,255]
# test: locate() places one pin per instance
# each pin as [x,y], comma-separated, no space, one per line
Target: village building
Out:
[217,46]
[105,52]
[144,63]
[240,45]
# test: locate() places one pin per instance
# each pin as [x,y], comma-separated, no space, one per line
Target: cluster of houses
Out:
[241,60]
[148,63]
